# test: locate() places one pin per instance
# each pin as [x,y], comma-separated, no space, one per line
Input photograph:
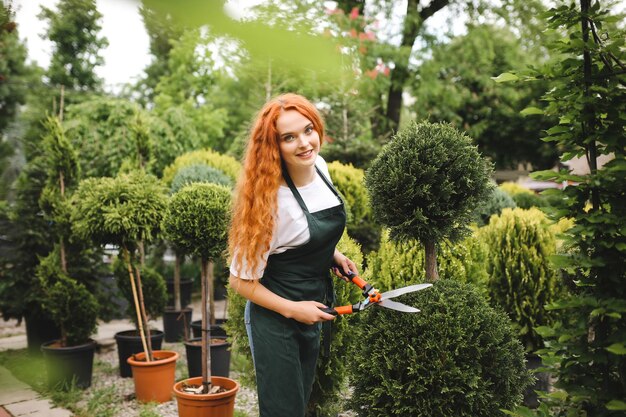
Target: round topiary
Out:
[199,173]
[227,164]
[425,184]
[456,358]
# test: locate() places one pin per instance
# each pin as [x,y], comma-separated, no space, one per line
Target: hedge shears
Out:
[374,297]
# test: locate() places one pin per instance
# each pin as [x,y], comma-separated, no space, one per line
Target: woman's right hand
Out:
[308,312]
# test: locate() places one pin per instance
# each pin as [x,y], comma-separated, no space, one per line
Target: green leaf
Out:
[617,348]
[558,129]
[616,405]
[505,77]
[531,110]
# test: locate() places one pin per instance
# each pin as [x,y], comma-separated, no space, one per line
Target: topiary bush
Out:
[425,184]
[521,278]
[199,173]
[350,182]
[493,205]
[457,358]
[227,164]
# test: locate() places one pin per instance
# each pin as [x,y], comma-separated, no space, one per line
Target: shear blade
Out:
[404,290]
[394,305]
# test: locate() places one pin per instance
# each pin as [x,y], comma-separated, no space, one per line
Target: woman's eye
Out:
[308,130]
[288,138]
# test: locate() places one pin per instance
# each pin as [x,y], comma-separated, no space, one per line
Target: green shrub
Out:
[521,279]
[457,358]
[227,164]
[523,197]
[152,285]
[494,204]
[350,182]
[397,264]
[425,184]
[199,173]
[69,304]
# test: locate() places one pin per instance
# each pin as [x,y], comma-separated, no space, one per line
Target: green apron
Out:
[285,351]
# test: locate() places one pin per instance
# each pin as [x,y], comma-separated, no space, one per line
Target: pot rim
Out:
[205,397]
[169,356]
[91,344]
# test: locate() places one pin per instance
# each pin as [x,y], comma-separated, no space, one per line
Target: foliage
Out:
[455,86]
[458,357]
[493,205]
[585,349]
[521,278]
[69,303]
[152,285]
[227,164]
[523,197]
[199,173]
[402,263]
[350,182]
[74,31]
[120,211]
[197,219]
[331,374]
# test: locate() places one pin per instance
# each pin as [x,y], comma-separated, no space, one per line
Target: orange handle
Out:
[359,282]
[338,311]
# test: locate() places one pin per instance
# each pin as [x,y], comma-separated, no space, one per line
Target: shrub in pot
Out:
[425,184]
[125,211]
[457,358]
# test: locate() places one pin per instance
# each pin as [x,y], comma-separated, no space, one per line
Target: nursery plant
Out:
[122,211]
[458,357]
[197,222]
[425,184]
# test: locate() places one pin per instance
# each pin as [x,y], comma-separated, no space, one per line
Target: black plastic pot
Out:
[40,330]
[220,357]
[176,323]
[68,365]
[129,343]
[186,288]
[216,330]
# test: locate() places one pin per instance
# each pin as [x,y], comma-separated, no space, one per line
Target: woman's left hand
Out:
[342,265]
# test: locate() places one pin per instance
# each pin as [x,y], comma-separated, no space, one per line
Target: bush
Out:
[521,278]
[152,285]
[199,173]
[494,204]
[523,197]
[457,358]
[227,164]
[350,182]
[397,264]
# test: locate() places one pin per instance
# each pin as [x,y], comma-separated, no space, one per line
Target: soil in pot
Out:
[67,366]
[216,330]
[129,343]
[177,324]
[221,404]
[154,379]
[220,357]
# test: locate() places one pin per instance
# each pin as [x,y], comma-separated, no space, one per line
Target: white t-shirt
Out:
[291,228]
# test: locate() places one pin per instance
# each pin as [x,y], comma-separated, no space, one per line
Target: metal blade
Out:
[404,290]
[394,305]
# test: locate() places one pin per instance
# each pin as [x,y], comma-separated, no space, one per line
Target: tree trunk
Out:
[206,333]
[144,316]
[177,263]
[430,248]
[133,287]
[211,297]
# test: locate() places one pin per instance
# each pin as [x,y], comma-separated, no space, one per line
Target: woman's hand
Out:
[343,265]
[308,312]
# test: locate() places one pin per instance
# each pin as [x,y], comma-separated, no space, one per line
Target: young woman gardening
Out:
[287,220]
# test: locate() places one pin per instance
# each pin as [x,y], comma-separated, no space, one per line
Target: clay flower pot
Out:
[200,405]
[154,380]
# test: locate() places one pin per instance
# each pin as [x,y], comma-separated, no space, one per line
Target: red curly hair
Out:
[255,207]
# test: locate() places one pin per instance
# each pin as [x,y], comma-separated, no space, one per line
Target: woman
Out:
[287,220]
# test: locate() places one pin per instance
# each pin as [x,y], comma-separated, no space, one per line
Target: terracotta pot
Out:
[154,380]
[201,405]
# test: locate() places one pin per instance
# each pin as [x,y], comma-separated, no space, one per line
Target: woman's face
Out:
[299,142]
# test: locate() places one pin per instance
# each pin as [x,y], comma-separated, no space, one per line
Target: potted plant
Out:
[126,211]
[69,360]
[197,221]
